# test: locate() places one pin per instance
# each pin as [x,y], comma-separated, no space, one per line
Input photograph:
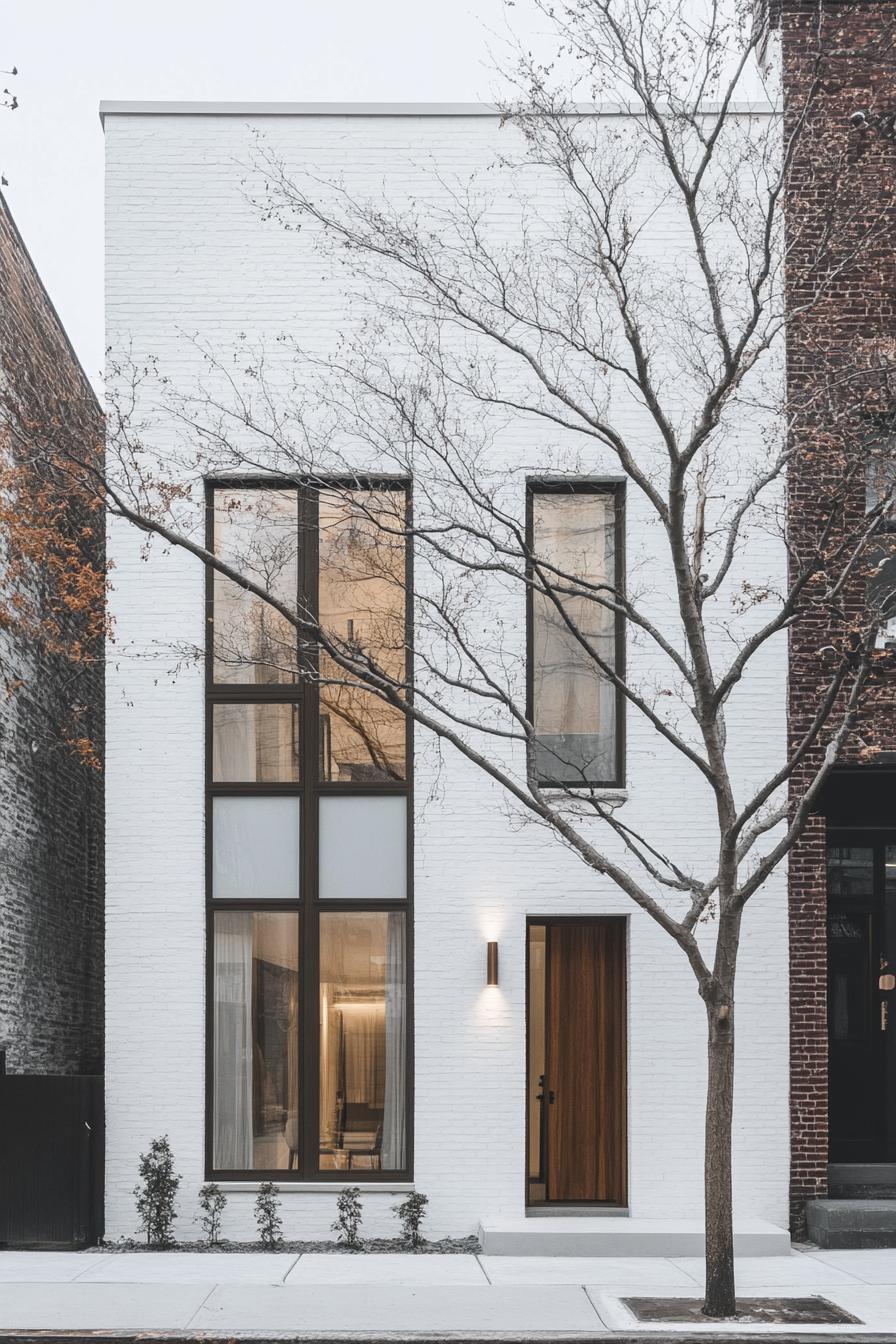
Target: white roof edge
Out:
[115,108]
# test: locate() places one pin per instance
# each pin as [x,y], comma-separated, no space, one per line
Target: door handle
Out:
[884,1014]
[545,1094]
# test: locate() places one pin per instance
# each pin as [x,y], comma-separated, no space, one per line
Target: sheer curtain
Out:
[575,703]
[396,1047]
[233,1041]
[362,1042]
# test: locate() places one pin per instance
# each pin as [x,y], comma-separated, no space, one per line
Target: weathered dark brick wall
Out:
[838,56]
[51,802]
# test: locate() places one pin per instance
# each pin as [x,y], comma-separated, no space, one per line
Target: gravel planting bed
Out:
[370,1246]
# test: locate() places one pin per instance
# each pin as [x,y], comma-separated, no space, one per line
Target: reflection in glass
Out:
[880,563]
[363,848]
[255,1041]
[255,849]
[255,744]
[574,701]
[363,1041]
[362,607]
[362,739]
[849,941]
[256,532]
[850,870]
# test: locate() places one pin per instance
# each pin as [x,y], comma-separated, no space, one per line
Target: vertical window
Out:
[881,560]
[256,532]
[575,634]
[256,1041]
[362,602]
[308,837]
[363,1065]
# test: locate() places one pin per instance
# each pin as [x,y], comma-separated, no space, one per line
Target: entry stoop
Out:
[851,1224]
[622,1237]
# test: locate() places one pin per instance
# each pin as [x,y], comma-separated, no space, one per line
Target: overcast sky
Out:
[72,53]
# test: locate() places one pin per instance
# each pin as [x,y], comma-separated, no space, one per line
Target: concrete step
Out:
[852,1224]
[623,1237]
[862,1180]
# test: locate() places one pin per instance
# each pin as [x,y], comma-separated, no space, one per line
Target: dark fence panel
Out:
[51,1160]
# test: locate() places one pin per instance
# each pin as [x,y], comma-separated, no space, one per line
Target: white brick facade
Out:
[186,254]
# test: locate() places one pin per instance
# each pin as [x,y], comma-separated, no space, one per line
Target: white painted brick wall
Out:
[186,254]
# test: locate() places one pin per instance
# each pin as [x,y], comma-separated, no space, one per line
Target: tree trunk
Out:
[720,1297]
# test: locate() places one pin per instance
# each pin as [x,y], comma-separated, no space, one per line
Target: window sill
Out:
[606,793]
[322,1187]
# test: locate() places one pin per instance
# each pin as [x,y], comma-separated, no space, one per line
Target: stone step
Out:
[862,1180]
[623,1237]
[852,1224]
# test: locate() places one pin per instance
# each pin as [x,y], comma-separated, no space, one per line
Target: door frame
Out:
[604,1205]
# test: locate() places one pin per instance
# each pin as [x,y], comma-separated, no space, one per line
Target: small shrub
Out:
[411,1212]
[348,1224]
[212,1202]
[155,1196]
[267,1215]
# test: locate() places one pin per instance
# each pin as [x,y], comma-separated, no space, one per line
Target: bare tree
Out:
[8,99]
[529,317]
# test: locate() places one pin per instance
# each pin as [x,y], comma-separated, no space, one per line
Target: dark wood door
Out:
[861,1004]
[585,1057]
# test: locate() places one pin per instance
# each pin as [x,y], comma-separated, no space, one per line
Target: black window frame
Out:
[580,486]
[309,788]
[882,549]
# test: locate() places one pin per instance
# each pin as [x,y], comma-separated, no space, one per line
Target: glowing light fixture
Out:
[492,964]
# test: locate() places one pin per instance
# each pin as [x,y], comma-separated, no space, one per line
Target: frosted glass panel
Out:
[363,853]
[255,849]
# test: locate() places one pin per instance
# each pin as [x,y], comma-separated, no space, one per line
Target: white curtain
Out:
[396,1047]
[233,1041]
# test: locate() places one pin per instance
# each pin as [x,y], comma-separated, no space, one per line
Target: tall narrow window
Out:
[308,836]
[256,1040]
[575,634]
[881,559]
[362,604]
[256,533]
[363,1064]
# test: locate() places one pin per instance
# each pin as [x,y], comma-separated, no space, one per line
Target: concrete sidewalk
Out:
[316,1296]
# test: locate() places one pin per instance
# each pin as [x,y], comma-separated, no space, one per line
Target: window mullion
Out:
[309,1066]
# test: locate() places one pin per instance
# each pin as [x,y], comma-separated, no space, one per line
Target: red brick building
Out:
[838,64]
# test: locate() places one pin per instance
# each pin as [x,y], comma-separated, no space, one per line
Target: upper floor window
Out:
[880,486]
[576,632]
[257,533]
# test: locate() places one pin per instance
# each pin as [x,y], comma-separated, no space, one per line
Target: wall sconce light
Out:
[492,964]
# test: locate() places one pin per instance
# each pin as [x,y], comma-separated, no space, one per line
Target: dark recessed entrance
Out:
[576,1103]
[862,994]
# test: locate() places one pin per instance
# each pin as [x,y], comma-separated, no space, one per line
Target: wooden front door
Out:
[580,1107]
[861,1002]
